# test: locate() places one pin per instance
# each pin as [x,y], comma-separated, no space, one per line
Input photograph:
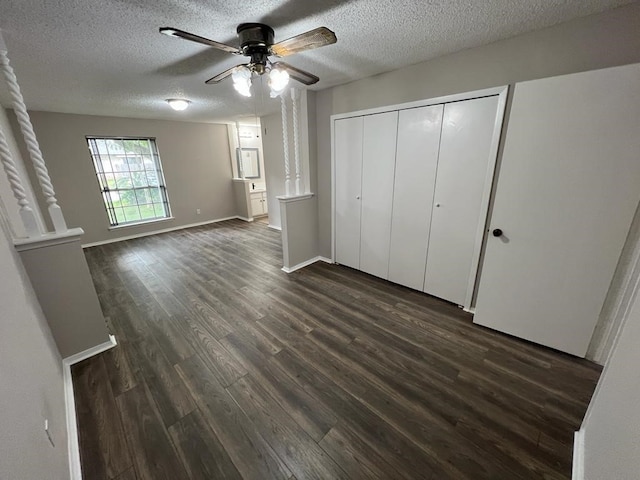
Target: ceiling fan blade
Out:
[318,37]
[227,73]
[297,74]
[174,32]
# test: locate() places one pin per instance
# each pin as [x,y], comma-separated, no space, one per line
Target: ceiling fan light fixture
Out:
[278,81]
[178,104]
[242,80]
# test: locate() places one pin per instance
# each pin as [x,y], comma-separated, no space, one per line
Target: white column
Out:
[26,213]
[20,109]
[296,140]
[285,141]
[239,153]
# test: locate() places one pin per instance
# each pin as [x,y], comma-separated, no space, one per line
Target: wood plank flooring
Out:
[228,368]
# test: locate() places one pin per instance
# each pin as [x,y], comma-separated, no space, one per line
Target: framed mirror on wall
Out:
[248,162]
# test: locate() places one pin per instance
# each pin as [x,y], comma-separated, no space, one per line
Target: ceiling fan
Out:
[257,43]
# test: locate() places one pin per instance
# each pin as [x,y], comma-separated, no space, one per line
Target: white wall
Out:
[612,425]
[588,43]
[250,137]
[30,376]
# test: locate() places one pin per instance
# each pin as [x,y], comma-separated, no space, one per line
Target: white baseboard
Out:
[75,471]
[274,227]
[305,264]
[90,352]
[326,260]
[578,456]
[164,230]
[244,219]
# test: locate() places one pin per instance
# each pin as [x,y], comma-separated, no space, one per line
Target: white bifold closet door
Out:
[416,164]
[378,166]
[348,140]
[465,168]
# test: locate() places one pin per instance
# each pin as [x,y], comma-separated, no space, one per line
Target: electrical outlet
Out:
[46,430]
[197,211]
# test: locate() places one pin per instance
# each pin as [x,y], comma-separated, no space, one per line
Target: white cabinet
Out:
[411,192]
[258,203]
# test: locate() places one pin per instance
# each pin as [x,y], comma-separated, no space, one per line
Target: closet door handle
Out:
[497,232]
[357,197]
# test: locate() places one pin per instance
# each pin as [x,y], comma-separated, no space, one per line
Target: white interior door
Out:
[462,183]
[348,176]
[416,163]
[568,188]
[378,165]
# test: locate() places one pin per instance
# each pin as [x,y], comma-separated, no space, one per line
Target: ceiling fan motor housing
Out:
[255,42]
[255,36]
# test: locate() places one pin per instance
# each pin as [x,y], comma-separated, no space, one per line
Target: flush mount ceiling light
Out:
[178,103]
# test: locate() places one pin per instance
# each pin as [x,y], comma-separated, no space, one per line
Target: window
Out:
[130,178]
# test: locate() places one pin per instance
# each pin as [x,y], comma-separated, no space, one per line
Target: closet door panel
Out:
[348,174]
[378,165]
[465,147]
[416,164]
[566,196]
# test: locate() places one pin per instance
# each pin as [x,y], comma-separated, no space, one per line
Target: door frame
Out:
[501,92]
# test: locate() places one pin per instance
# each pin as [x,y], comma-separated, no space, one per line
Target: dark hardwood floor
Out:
[228,368]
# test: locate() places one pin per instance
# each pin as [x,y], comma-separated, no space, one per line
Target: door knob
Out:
[357,197]
[497,232]
[437,204]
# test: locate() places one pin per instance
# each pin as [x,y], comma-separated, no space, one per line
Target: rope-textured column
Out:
[26,213]
[20,109]
[239,153]
[296,141]
[285,141]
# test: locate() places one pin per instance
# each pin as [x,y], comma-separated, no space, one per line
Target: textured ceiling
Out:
[106,57]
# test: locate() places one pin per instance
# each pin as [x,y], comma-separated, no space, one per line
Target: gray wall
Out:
[299,231]
[241,194]
[62,283]
[195,160]
[588,43]
[612,424]
[30,376]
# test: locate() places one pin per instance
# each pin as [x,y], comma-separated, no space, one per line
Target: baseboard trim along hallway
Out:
[306,264]
[73,447]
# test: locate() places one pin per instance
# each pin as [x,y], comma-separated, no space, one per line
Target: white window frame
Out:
[111,167]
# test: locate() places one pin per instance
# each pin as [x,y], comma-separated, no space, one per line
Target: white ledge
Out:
[48,239]
[143,222]
[294,198]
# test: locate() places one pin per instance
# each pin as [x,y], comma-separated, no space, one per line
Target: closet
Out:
[411,189]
